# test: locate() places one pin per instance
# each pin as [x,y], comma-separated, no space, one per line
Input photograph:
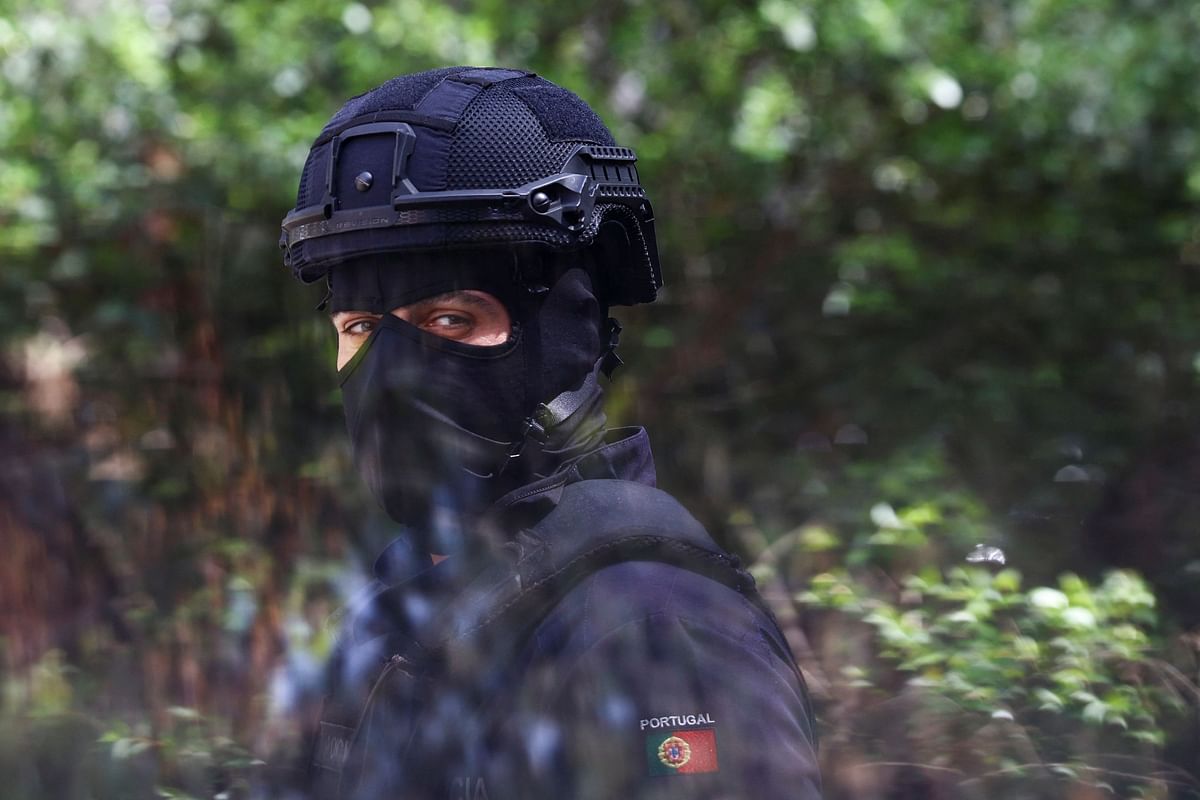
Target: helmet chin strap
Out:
[566,411]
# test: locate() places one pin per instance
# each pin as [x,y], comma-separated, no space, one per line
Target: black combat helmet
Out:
[472,157]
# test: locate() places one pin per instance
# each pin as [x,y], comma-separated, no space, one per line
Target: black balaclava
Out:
[441,429]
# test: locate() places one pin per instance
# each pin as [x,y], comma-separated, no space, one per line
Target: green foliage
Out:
[1049,662]
[54,750]
[966,671]
[929,265]
[994,649]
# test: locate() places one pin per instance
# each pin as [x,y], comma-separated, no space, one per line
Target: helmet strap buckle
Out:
[534,430]
[610,360]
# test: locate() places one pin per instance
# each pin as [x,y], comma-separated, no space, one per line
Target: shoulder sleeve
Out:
[651,681]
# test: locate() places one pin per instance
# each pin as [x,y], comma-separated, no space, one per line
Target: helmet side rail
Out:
[565,201]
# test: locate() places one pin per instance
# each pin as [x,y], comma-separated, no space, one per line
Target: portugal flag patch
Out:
[682,752]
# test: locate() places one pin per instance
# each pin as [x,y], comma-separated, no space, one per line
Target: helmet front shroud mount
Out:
[486,179]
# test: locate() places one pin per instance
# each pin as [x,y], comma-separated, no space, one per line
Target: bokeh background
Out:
[932,301]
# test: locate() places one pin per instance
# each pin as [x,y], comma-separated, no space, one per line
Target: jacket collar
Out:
[623,455]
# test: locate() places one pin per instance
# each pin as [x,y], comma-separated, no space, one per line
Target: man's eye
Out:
[447,321]
[360,327]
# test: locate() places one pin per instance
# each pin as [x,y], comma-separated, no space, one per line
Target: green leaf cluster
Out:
[932,276]
[1079,652]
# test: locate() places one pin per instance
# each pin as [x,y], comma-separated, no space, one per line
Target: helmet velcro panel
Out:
[564,117]
[403,92]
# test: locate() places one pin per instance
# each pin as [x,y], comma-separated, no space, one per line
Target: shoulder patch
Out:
[682,752]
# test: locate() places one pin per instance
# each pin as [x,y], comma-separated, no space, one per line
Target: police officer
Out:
[549,624]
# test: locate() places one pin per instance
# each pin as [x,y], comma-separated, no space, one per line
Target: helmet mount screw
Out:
[363,181]
[541,202]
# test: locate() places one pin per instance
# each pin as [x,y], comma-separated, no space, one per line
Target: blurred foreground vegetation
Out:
[932,298]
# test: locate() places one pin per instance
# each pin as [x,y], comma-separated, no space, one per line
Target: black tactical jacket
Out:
[608,649]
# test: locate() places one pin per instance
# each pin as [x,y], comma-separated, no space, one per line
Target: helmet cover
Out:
[466,157]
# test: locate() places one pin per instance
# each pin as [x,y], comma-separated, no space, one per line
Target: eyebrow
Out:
[458,295]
